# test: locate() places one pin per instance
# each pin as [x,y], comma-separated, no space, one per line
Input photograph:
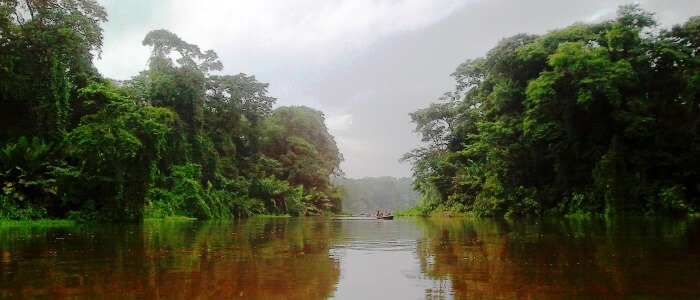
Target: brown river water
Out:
[348,258]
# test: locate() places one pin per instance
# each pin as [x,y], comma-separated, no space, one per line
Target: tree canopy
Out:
[173,140]
[591,118]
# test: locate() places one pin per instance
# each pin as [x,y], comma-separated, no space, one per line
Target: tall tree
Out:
[180,84]
[590,118]
[113,154]
[46,50]
[307,153]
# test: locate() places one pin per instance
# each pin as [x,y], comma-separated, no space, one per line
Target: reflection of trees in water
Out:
[288,257]
[262,258]
[563,257]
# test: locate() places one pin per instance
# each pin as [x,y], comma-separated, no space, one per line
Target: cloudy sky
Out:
[365,63]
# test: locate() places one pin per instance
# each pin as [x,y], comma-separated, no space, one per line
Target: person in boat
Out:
[379,214]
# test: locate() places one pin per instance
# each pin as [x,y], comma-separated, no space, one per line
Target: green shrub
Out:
[670,200]
[10,210]
[160,204]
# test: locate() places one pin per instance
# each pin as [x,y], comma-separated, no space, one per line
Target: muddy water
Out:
[319,258]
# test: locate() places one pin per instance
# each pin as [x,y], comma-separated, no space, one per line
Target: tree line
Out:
[172,140]
[592,118]
[370,194]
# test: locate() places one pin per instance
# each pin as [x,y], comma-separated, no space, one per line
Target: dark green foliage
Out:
[45,50]
[29,185]
[591,118]
[173,141]
[114,153]
[187,197]
[306,153]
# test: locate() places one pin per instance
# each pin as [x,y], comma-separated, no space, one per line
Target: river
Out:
[321,257]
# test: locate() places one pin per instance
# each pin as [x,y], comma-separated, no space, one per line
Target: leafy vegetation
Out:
[172,141]
[592,118]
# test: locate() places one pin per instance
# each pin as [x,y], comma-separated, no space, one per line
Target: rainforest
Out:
[600,118]
[563,164]
[594,118]
[173,140]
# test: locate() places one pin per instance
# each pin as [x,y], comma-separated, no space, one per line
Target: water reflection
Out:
[278,258]
[564,257]
[378,260]
[319,258]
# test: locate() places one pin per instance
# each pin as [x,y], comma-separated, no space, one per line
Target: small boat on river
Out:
[355,218]
[365,217]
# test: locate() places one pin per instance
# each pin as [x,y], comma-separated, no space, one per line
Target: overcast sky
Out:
[365,63]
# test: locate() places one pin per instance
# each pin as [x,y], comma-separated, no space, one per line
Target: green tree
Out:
[45,55]
[590,118]
[180,85]
[235,107]
[114,153]
[29,186]
[174,140]
[307,153]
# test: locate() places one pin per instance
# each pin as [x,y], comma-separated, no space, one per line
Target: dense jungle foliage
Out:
[592,118]
[370,194]
[173,140]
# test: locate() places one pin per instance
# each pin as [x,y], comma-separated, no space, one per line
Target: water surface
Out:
[320,258]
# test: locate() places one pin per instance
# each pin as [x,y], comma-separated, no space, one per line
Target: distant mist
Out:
[370,194]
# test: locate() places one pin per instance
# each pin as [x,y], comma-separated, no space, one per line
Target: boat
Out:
[364,217]
[354,218]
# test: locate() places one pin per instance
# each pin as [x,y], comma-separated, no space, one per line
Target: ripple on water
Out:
[380,245]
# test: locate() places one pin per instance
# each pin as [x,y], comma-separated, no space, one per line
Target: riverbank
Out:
[38,223]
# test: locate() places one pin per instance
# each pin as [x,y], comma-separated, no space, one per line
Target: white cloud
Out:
[607,13]
[301,40]
[350,146]
[123,58]
[322,30]
[336,123]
